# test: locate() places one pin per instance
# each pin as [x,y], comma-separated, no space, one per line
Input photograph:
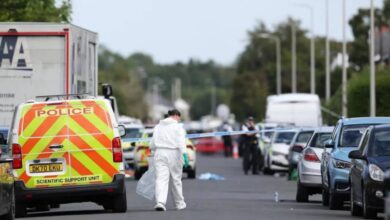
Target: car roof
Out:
[326,129]
[382,127]
[365,120]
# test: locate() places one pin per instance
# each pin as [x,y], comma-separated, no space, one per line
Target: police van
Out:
[67,150]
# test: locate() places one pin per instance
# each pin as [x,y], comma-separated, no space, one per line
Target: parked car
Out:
[335,164]
[209,145]
[276,153]
[369,162]
[297,144]
[142,152]
[132,131]
[387,200]
[309,165]
[7,195]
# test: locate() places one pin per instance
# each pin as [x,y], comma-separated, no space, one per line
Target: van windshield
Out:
[351,135]
[284,137]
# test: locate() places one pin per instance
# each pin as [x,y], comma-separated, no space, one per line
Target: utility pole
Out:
[327,53]
[344,100]
[293,59]
[372,62]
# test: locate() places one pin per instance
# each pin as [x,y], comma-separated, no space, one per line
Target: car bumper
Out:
[67,194]
[339,180]
[375,195]
[310,173]
[279,162]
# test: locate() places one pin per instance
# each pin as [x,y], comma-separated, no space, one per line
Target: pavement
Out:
[237,197]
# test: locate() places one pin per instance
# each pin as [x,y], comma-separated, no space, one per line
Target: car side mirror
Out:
[297,148]
[356,154]
[122,130]
[329,144]
[132,144]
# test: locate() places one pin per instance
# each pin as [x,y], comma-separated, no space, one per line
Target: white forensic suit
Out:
[168,144]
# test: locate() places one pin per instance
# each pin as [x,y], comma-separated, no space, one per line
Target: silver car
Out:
[309,165]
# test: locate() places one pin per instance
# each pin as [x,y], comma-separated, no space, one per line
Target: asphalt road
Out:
[237,197]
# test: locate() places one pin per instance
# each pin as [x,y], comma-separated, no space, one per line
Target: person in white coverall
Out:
[169,148]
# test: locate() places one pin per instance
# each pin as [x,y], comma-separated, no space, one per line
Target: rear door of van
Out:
[66,143]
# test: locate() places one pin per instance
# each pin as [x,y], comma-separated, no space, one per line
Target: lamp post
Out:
[344,100]
[293,58]
[278,65]
[372,62]
[327,54]
[312,48]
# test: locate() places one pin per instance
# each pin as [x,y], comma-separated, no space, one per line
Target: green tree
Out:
[35,10]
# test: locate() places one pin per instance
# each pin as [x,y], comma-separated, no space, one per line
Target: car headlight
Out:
[341,164]
[375,172]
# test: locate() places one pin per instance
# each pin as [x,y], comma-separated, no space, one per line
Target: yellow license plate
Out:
[46,168]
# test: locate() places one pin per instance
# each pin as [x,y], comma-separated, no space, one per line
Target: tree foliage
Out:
[35,10]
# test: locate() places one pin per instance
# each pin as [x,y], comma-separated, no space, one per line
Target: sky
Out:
[177,30]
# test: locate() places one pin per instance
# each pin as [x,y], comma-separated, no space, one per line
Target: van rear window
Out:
[73,118]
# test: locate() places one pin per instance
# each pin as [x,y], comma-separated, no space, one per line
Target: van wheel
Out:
[20,210]
[137,174]
[119,204]
[191,174]
[302,193]
[11,212]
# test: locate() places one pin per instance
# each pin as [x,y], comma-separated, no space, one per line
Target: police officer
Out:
[227,139]
[250,144]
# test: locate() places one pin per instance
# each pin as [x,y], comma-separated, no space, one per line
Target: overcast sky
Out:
[176,30]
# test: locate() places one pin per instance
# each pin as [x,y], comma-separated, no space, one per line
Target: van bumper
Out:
[69,194]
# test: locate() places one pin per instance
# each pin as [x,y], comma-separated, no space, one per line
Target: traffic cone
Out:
[235,151]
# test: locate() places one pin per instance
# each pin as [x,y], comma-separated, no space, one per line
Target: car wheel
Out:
[191,174]
[368,213]
[355,209]
[137,173]
[11,212]
[119,204]
[20,210]
[335,203]
[302,193]
[325,197]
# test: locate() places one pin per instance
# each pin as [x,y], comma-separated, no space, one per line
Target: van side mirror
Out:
[356,154]
[107,90]
[122,130]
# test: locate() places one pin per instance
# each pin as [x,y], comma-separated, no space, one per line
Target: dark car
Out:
[369,162]
[7,197]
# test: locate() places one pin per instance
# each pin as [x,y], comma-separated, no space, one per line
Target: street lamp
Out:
[327,54]
[293,58]
[372,62]
[312,48]
[278,66]
[344,99]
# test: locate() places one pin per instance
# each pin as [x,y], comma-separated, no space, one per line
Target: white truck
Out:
[40,59]
[298,109]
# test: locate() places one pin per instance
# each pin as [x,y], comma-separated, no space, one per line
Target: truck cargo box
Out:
[38,59]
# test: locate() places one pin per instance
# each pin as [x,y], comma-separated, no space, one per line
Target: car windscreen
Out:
[319,139]
[303,137]
[133,133]
[284,137]
[351,135]
[381,144]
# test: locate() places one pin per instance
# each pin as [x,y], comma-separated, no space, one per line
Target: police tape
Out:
[202,135]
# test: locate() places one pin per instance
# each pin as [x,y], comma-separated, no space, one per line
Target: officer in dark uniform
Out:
[250,144]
